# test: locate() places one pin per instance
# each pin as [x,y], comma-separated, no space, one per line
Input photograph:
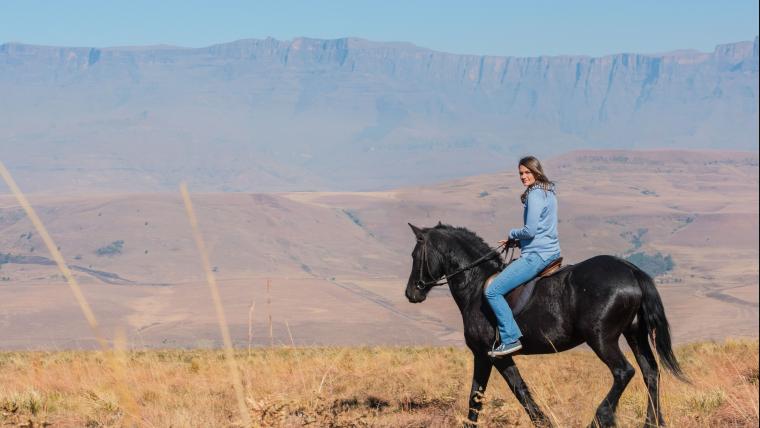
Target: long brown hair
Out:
[542,181]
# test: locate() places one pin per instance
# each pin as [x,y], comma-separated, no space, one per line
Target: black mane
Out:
[474,242]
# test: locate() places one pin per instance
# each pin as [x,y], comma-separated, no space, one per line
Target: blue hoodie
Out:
[539,235]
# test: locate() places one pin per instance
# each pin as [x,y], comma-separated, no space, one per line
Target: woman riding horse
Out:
[595,302]
[539,247]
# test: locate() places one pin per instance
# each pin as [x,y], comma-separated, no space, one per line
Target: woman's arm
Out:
[535,205]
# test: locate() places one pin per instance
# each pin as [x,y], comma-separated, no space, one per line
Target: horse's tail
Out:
[652,320]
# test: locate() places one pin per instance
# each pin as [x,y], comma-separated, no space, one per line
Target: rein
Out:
[495,252]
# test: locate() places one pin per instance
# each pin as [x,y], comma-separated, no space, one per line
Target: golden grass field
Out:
[357,386]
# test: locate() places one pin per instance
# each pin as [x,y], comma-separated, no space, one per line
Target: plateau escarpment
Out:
[348,114]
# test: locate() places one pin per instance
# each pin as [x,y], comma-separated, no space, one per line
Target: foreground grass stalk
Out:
[125,398]
[223,327]
[118,360]
[53,249]
[269,312]
[250,326]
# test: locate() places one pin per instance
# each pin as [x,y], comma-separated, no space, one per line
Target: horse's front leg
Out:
[508,370]
[480,375]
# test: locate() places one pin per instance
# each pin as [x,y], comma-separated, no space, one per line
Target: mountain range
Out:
[347,114]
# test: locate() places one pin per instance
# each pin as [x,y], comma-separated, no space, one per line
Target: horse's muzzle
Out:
[415,294]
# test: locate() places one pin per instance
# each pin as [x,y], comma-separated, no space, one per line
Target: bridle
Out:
[423,285]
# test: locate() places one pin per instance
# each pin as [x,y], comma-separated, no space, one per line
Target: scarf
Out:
[546,187]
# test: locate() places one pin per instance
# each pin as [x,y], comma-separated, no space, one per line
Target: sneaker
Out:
[505,349]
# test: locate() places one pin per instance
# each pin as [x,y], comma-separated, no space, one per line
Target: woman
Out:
[539,246]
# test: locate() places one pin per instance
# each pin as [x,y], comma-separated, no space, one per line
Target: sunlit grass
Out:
[368,386]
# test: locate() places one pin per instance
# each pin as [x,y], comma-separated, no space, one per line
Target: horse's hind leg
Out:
[609,352]
[480,374]
[508,370]
[639,343]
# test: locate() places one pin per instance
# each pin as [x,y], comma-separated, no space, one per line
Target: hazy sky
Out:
[525,28]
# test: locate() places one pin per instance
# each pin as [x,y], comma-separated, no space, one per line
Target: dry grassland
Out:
[371,386]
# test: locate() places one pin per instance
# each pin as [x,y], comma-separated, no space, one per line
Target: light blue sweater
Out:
[539,235]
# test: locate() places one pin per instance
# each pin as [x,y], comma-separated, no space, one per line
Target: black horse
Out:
[594,301]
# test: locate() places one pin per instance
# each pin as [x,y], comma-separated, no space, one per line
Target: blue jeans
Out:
[519,271]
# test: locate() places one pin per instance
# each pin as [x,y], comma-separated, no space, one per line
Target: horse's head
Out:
[427,264]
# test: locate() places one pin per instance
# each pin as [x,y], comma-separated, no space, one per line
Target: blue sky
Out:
[488,27]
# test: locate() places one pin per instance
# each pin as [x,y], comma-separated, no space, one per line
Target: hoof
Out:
[543,423]
[604,419]
[471,421]
[603,424]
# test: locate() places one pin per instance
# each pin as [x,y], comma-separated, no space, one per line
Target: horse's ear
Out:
[417,231]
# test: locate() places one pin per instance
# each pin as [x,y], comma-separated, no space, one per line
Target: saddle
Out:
[518,298]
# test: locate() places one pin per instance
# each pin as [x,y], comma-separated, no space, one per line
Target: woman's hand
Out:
[509,243]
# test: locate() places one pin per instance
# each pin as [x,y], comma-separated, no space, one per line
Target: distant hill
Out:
[339,261]
[347,114]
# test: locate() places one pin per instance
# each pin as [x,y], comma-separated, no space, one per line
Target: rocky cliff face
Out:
[349,113]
